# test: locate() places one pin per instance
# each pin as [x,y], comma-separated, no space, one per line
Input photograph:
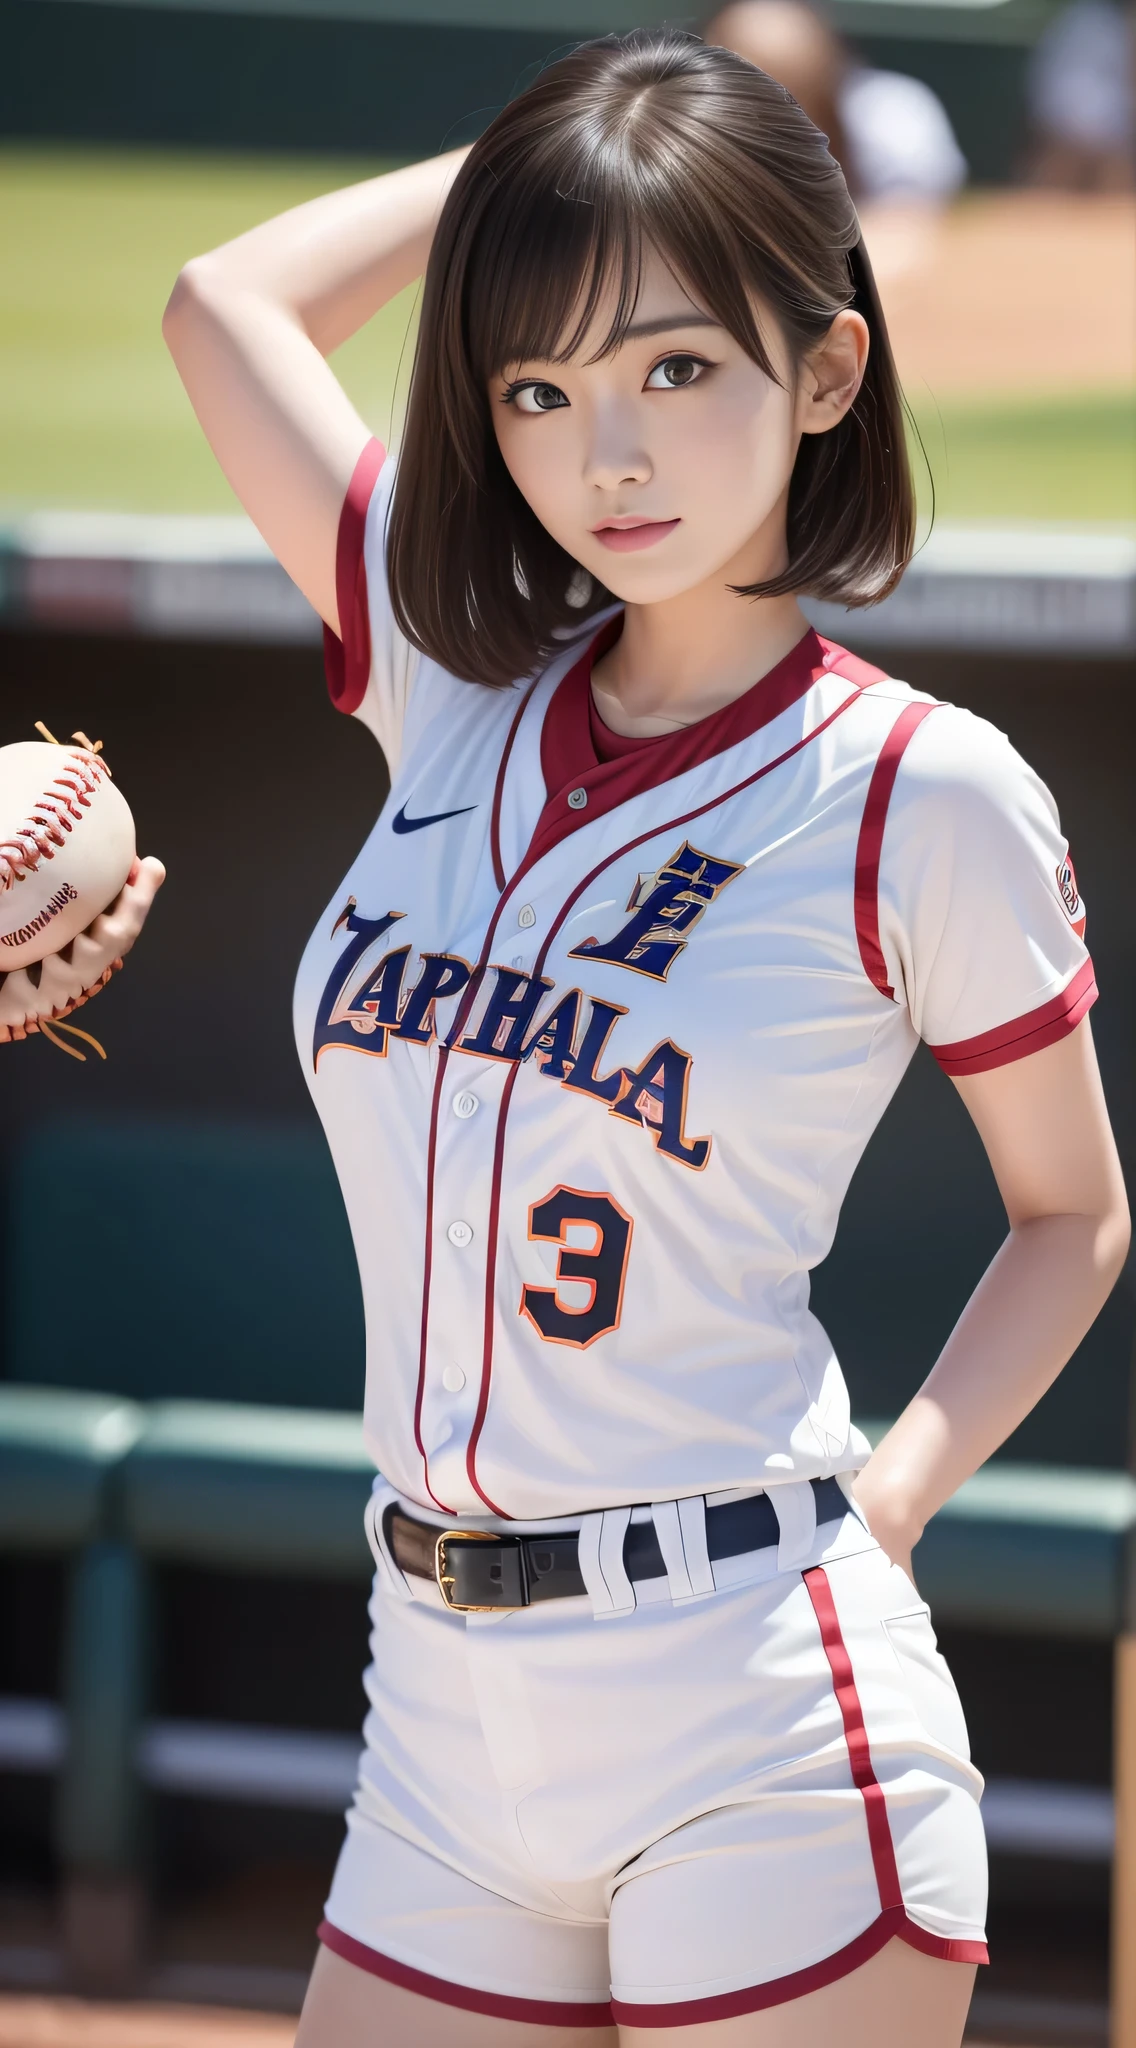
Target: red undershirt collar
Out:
[572,762]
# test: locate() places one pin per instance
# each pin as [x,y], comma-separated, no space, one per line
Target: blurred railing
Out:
[970,588]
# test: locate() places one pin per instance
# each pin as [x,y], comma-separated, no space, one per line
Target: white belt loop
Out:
[680,1526]
[600,1555]
[795,1506]
[393,1577]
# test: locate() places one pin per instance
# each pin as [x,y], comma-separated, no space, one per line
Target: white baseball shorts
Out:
[682,1809]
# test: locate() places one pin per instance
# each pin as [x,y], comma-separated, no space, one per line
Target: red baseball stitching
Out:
[50,820]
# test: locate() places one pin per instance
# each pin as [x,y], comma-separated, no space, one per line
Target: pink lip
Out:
[626,540]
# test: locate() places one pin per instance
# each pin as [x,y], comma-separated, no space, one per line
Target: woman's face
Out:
[667,463]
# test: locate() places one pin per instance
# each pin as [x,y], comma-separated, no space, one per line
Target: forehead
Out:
[606,313]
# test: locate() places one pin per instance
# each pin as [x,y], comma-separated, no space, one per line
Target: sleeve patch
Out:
[1070,895]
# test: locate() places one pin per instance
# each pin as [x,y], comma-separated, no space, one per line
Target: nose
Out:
[616,454]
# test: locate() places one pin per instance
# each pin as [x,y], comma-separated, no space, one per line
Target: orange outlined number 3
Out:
[600,1266]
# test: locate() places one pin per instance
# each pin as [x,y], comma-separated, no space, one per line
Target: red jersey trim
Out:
[347,654]
[823,658]
[1032,1033]
[548,2012]
[869,846]
[468,998]
[499,790]
[568,756]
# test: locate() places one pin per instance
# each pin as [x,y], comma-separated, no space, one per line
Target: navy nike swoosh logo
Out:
[402,823]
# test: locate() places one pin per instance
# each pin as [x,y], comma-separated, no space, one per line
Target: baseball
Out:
[66,846]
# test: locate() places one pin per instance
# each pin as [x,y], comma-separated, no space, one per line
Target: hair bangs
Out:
[552,259]
[650,141]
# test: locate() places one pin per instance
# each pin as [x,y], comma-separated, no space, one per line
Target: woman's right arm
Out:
[249,328]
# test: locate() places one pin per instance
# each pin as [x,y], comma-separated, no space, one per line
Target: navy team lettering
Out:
[566,1042]
[666,907]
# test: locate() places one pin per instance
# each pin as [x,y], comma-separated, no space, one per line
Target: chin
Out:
[635,581]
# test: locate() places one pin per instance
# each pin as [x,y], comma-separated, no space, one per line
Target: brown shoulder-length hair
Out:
[649,140]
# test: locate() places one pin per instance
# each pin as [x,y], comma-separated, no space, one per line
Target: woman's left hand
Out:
[68,979]
[887,1515]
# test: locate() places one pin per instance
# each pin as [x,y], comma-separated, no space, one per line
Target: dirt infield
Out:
[72,2023]
[69,2023]
[1013,295]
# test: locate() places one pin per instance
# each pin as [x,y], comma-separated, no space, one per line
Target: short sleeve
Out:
[980,922]
[370,669]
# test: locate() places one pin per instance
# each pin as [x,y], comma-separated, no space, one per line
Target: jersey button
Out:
[460,1233]
[466,1104]
[577,798]
[453,1379]
[526,917]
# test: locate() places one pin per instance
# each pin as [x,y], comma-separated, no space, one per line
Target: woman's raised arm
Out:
[249,328]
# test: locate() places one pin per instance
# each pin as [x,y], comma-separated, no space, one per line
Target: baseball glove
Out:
[41,997]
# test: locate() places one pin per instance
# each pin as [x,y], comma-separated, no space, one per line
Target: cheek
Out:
[538,462]
[741,452]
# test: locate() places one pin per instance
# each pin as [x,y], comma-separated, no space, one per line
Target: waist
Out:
[482,1571]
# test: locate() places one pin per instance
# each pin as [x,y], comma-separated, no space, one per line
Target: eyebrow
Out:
[666,322]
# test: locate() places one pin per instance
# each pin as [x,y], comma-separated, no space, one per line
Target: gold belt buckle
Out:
[446,1580]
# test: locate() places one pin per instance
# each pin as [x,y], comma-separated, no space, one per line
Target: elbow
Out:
[1110,1240]
[187,303]
[1116,1238]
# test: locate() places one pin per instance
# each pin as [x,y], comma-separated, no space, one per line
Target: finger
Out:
[145,879]
[119,926]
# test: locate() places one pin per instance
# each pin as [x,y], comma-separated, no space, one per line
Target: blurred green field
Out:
[92,414]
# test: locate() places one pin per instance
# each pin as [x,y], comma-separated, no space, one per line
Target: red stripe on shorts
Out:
[856,1736]
[732,2005]
[892,1922]
[548,2012]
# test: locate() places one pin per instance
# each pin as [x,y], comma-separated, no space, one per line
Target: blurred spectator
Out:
[890,134]
[1081,100]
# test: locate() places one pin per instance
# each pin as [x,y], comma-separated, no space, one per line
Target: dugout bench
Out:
[184,1430]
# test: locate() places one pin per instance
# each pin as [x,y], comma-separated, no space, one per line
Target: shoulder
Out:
[448,711]
[957,763]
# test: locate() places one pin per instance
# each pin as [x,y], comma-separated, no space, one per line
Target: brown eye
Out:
[537,397]
[675,372]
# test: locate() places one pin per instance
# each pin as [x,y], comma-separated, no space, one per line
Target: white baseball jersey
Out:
[598,1042]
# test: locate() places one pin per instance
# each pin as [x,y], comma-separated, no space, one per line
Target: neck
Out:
[681,659]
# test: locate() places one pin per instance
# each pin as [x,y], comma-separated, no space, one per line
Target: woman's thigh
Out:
[349,2008]
[897,1998]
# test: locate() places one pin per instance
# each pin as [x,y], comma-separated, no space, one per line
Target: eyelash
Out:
[683,355]
[513,391]
[680,355]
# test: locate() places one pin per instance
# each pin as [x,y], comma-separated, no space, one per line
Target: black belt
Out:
[478,1571]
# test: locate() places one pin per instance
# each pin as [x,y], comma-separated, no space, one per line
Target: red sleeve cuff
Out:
[1023,1035]
[347,654]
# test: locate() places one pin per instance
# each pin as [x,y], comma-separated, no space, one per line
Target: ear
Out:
[831,374]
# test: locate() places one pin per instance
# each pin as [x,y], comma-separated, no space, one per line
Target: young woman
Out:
[665,892]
